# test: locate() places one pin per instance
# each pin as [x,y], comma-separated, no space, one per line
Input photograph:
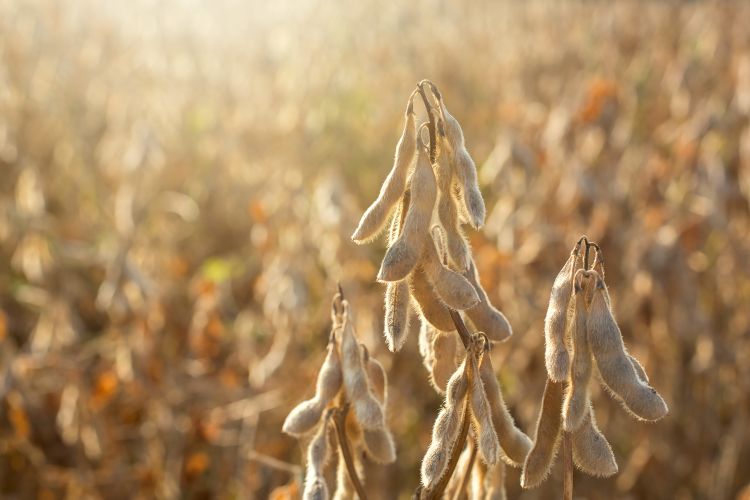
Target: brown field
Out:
[179,180]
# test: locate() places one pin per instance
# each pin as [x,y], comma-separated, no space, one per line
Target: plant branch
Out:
[339,421]
[431,125]
[463,332]
[467,474]
[568,467]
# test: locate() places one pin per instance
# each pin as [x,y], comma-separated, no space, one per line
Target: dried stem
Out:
[568,467]
[432,127]
[339,421]
[463,332]
[465,480]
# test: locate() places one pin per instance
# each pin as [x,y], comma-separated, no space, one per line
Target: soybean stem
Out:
[339,419]
[465,480]
[431,125]
[568,467]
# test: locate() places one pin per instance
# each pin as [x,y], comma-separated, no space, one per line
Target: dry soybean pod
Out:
[379,442]
[616,369]
[484,430]
[446,428]
[318,454]
[443,365]
[457,247]
[638,367]
[378,380]
[396,324]
[466,173]
[514,443]
[304,417]
[379,445]
[591,451]
[599,262]
[452,288]
[547,440]
[464,168]
[427,333]
[576,394]
[484,316]
[427,302]
[367,409]
[396,314]
[555,350]
[376,215]
[403,254]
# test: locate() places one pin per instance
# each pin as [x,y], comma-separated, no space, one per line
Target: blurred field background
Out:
[179,180]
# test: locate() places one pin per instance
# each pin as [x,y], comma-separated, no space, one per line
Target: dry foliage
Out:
[178,187]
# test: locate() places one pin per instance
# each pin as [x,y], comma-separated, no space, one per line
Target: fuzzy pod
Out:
[378,380]
[617,371]
[352,429]
[367,409]
[315,489]
[591,451]
[379,445]
[396,314]
[494,483]
[318,455]
[452,288]
[514,443]
[447,209]
[638,367]
[446,428]
[464,168]
[305,415]
[473,203]
[403,254]
[430,307]
[547,440]
[427,333]
[555,351]
[443,362]
[394,230]
[483,315]
[576,403]
[484,430]
[376,215]
[457,246]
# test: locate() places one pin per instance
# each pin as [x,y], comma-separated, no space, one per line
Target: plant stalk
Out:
[339,421]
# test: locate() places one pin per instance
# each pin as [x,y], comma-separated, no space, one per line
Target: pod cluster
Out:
[473,397]
[351,378]
[581,334]
[426,197]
